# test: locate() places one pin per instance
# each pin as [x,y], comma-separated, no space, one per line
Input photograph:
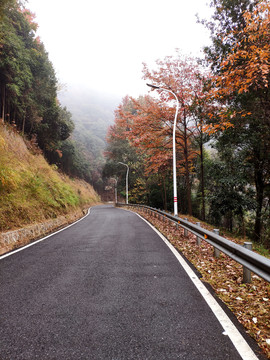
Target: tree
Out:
[148,128]
[227,18]
[73,162]
[28,84]
[28,90]
[119,149]
[232,197]
[4,6]
[246,67]
[147,124]
[16,80]
[181,75]
[133,141]
[55,127]
[240,58]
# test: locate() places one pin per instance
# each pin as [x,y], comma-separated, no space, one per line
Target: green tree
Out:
[28,85]
[227,17]
[72,161]
[230,197]
[4,6]
[55,127]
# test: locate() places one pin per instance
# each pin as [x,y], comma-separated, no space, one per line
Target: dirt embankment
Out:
[35,198]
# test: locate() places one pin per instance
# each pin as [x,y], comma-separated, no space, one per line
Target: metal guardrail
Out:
[250,260]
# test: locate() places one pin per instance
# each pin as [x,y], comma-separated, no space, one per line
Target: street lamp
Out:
[174,150]
[119,162]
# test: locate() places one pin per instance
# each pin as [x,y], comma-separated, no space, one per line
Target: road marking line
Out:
[230,329]
[46,237]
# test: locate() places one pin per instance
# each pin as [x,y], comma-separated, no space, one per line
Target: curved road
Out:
[107,287]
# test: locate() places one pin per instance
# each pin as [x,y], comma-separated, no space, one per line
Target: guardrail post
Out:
[247,272]
[185,230]
[198,239]
[216,251]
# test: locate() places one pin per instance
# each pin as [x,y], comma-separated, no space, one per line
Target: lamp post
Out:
[119,162]
[174,147]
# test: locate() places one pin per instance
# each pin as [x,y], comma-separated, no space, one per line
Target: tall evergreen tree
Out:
[28,89]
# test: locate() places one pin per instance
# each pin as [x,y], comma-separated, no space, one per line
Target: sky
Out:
[101,44]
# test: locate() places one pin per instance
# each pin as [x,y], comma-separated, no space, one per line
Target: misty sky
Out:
[102,43]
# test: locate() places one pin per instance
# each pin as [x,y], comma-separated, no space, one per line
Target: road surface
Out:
[107,287]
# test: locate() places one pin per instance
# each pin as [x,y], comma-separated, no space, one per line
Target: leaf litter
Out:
[249,302]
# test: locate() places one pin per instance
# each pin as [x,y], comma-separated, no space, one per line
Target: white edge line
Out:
[46,237]
[230,329]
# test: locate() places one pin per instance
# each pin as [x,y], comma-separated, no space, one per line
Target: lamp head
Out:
[153,86]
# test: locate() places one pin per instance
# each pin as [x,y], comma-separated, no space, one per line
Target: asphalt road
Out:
[106,288]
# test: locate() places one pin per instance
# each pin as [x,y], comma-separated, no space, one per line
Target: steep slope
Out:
[31,190]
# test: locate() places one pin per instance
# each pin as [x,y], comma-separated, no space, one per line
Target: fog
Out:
[102,44]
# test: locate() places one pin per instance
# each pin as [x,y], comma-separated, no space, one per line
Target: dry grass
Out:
[31,190]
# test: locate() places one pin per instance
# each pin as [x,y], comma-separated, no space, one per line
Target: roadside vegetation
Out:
[35,131]
[29,92]
[31,190]
[222,130]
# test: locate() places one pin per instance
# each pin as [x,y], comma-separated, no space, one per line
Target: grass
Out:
[30,189]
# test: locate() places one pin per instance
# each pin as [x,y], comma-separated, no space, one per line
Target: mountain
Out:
[92,113]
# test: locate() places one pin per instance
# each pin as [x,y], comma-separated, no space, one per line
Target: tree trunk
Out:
[3,99]
[23,124]
[165,193]
[259,204]
[202,181]
[187,169]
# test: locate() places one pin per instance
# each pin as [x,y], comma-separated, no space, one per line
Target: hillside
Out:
[90,109]
[31,190]
[92,113]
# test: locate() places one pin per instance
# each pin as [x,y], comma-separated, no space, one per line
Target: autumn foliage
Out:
[247,65]
[227,102]
[147,122]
